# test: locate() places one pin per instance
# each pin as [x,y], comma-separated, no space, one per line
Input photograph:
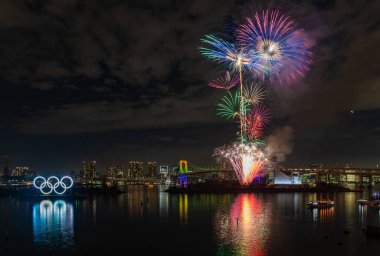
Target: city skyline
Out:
[87,168]
[70,91]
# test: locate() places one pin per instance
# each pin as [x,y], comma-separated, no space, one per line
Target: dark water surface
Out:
[146,221]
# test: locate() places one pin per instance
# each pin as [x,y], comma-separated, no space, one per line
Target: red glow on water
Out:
[244,229]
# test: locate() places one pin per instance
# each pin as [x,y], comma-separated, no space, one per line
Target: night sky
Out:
[115,81]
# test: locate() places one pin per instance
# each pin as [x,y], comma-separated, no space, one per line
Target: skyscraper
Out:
[135,170]
[84,172]
[88,170]
[93,172]
[152,169]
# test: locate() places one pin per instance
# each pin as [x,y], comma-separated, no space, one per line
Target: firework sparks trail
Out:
[246,159]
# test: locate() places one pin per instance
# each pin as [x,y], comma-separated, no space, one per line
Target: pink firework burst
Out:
[225,82]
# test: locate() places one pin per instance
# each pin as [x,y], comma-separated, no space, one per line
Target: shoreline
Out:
[225,188]
[75,193]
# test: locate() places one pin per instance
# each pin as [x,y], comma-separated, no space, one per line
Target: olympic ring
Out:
[52,183]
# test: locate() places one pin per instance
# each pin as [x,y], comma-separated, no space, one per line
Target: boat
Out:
[374,200]
[320,204]
[362,201]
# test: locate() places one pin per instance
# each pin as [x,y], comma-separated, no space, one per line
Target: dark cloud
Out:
[93,68]
[103,116]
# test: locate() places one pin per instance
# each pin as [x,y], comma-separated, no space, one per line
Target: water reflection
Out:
[362,213]
[368,215]
[164,205]
[243,230]
[183,207]
[323,214]
[53,223]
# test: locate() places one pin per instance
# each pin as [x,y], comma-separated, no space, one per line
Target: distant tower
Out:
[93,173]
[84,172]
[135,169]
[88,170]
[6,167]
[152,169]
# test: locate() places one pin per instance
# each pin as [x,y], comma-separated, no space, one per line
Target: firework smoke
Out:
[280,143]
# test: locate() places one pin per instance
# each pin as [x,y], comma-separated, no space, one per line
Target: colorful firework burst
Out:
[225,82]
[229,105]
[253,94]
[222,51]
[262,113]
[277,44]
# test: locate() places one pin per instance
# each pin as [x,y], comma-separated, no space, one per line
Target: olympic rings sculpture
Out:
[52,184]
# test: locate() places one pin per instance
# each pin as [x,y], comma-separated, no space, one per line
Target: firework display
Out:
[246,159]
[277,44]
[272,49]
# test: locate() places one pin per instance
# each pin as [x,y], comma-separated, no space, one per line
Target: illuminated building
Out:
[282,178]
[23,172]
[135,170]
[115,171]
[93,173]
[85,172]
[173,170]
[164,170]
[152,169]
[19,171]
[88,170]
